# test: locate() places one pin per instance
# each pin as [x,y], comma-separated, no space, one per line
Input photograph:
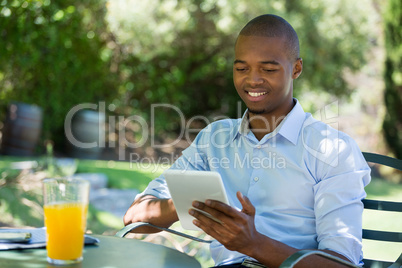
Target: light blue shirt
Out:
[305,179]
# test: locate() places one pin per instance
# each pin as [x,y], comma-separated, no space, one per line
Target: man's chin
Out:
[253,111]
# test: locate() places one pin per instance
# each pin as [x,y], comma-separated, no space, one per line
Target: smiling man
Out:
[263,75]
[312,200]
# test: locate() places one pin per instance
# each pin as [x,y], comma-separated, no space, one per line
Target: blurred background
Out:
[85,67]
[130,54]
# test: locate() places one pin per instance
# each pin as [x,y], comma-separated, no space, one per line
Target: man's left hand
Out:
[236,231]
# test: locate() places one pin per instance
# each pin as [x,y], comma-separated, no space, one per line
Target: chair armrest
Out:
[298,256]
[132,226]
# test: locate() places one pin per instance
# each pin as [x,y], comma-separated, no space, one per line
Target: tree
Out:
[135,53]
[54,54]
[182,51]
[392,125]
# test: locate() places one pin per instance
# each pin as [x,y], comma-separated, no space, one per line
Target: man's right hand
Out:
[148,208]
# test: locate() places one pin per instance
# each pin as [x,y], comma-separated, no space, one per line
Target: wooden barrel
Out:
[87,127]
[22,129]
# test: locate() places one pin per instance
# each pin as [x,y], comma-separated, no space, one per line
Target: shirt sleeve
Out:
[337,205]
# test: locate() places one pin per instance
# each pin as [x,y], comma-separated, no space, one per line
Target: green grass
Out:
[384,190]
[122,175]
[20,208]
[379,220]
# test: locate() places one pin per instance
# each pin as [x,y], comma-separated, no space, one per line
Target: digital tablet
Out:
[188,186]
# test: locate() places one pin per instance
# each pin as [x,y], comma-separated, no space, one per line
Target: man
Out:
[293,182]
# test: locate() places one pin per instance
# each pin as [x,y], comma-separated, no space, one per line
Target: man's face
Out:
[263,74]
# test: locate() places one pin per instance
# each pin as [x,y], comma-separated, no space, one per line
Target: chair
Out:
[171,241]
[128,228]
[367,234]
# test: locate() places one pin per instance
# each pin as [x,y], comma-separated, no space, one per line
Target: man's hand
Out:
[236,231]
[160,212]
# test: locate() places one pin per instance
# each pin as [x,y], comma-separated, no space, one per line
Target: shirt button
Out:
[256,179]
[259,146]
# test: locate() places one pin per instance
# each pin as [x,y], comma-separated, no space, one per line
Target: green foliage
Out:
[54,54]
[188,64]
[334,39]
[182,53]
[58,54]
[393,77]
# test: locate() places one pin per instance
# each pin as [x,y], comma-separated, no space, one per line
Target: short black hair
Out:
[270,25]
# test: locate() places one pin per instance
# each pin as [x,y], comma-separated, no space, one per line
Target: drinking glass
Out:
[65,208]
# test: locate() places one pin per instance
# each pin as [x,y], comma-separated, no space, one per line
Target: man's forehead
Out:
[259,39]
[247,44]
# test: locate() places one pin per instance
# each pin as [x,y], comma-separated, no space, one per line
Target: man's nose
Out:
[255,78]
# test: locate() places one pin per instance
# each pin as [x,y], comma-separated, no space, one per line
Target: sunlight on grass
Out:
[384,190]
[379,250]
[381,220]
[123,175]
[110,220]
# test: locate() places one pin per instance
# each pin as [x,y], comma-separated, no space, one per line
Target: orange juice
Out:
[65,226]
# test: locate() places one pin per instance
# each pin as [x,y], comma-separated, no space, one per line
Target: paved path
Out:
[115,201]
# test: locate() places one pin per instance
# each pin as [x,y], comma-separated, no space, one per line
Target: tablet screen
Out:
[188,186]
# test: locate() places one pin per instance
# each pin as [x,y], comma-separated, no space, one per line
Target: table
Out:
[111,252]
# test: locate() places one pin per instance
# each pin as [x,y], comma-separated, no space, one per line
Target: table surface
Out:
[111,252]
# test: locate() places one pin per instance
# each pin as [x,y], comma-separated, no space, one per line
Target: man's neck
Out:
[263,124]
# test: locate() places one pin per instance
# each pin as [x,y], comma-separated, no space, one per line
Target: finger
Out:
[210,226]
[213,232]
[221,207]
[221,217]
[247,206]
[202,217]
[223,233]
[213,228]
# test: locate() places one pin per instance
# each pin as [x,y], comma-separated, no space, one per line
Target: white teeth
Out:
[256,94]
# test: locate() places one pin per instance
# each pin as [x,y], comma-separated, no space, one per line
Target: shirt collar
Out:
[242,127]
[293,123]
[289,128]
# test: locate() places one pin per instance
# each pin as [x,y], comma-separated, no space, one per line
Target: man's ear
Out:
[297,68]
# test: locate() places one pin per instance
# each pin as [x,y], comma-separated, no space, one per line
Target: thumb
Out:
[247,206]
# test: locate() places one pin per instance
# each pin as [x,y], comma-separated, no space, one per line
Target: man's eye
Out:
[269,70]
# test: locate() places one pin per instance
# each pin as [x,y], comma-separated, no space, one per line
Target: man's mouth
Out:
[256,94]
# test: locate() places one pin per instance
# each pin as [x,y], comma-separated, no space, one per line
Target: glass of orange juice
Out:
[65,207]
